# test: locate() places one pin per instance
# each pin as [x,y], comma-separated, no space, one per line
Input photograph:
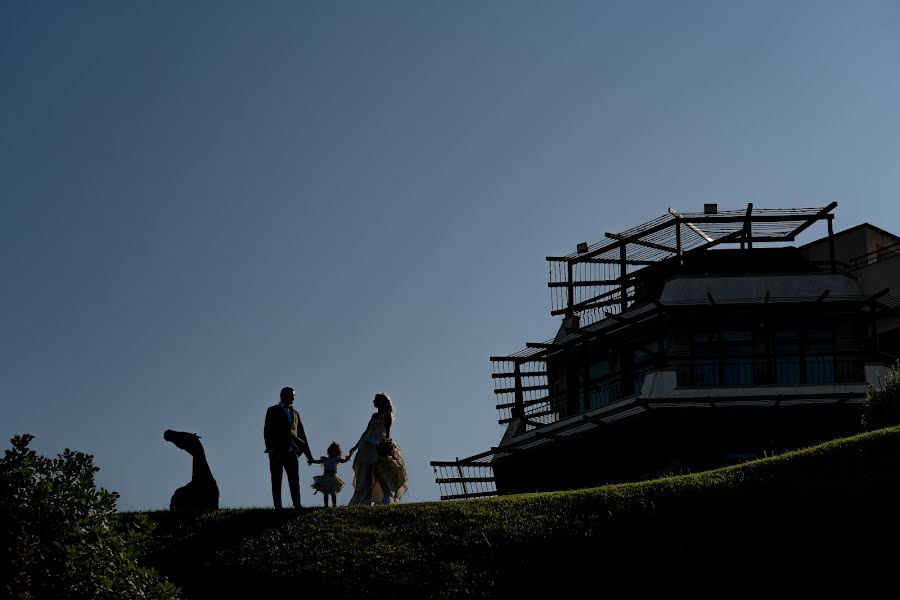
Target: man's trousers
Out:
[290,464]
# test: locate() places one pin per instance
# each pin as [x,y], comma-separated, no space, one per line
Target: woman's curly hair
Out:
[384,401]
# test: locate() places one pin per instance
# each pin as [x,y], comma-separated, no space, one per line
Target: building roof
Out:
[603,274]
[853,229]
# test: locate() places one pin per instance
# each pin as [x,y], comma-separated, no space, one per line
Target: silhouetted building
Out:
[690,342]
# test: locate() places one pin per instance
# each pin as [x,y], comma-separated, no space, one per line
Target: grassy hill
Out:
[820,518]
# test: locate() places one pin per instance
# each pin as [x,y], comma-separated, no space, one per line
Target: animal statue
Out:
[201,493]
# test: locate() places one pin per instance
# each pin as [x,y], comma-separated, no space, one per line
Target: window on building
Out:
[787,350]
[737,357]
[604,386]
[705,363]
[804,355]
[643,363]
[722,358]
[819,355]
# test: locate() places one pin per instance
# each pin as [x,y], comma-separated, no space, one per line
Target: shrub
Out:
[882,407]
[63,537]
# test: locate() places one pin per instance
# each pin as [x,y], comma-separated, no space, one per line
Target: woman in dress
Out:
[379,472]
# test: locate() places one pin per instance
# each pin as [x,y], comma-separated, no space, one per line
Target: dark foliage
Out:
[63,537]
[882,407]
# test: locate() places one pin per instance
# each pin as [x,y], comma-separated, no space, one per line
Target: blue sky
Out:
[202,202]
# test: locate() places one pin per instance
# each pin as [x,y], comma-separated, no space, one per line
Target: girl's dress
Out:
[328,482]
[371,470]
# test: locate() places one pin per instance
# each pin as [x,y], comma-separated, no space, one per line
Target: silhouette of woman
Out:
[379,472]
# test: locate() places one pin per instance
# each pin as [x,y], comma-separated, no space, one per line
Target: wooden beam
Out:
[469,496]
[616,261]
[678,242]
[497,450]
[748,226]
[693,227]
[592,303]
[590,283]
[525,388]
[536,357]
[524,374]
[763,218]
[623,271]
[518,409]
[466,479]
[525,403]
[725,239]
[831,255]
[810,220]
[602,261]
[528,418]
[470,461]
[773,238]
[698,231]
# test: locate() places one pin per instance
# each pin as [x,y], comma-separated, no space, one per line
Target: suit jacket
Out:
[278,432]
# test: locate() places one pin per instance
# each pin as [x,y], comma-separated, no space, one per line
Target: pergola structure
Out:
[602,277]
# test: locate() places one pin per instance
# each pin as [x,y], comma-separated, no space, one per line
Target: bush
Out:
[882,407]
[63,537]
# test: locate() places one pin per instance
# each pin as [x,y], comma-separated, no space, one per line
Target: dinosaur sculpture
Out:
[201,493]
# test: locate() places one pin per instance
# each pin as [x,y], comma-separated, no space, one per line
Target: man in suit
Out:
[285,441]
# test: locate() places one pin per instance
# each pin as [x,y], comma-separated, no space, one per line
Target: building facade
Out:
[690,342]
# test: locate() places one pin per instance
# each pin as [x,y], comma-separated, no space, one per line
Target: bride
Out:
[379,472]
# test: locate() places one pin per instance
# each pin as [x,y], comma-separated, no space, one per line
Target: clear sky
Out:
[203,202]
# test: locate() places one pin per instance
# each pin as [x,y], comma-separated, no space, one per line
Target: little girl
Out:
[328,482]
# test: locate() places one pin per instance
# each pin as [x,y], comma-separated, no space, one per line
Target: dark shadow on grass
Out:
[201,536]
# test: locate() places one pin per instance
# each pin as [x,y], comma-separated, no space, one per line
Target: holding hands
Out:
[310,460]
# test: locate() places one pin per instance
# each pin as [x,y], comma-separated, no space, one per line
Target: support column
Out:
[831,243]
[519,400]
[622,274]
[678,242]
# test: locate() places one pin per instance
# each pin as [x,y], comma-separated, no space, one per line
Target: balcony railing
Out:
[467,478]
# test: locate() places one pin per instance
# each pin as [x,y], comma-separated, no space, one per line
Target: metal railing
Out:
[875,256]
[465,479]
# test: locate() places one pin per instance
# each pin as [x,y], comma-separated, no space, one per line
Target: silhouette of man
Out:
[285,441]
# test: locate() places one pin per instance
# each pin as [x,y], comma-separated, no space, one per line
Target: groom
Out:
[285,441]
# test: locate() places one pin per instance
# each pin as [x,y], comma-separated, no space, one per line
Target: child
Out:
[329,483]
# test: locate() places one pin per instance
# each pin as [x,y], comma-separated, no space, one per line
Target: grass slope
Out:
[820,517]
